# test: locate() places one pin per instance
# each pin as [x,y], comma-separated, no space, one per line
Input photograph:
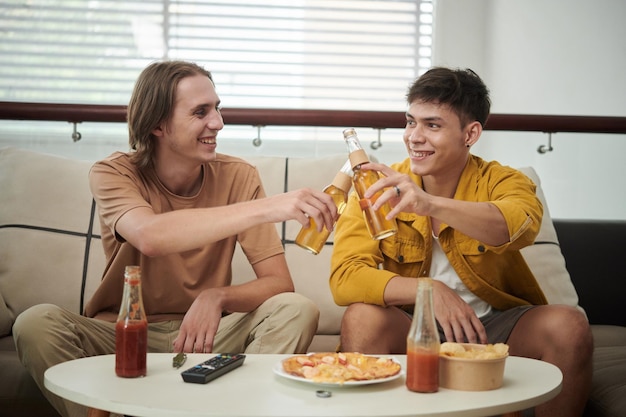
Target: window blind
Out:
[308,54]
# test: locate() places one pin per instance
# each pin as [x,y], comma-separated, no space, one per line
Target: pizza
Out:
[340,367]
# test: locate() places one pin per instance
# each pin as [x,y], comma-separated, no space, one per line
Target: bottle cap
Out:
[132,269]
[349,132]
[132,274]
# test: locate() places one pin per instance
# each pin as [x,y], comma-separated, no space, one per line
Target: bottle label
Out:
[358,157]
[366,203]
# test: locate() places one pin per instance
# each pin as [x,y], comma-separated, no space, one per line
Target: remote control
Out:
[213,368]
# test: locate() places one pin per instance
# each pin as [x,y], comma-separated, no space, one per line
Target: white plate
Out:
[278,370]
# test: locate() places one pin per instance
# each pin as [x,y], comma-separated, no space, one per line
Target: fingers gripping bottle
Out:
[422,350]
[131,330]
[309,238]
[378,226]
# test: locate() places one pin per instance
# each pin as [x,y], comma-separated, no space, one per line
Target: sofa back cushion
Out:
[48,250]
[310,272]
[544,257]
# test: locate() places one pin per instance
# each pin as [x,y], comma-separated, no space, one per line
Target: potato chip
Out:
[474,351]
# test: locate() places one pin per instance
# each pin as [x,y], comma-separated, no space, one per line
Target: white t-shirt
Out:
[441,270]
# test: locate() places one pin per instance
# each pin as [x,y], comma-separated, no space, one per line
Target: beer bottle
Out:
[309,238]
[377,225]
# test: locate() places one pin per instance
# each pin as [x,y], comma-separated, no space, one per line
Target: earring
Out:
[467,145]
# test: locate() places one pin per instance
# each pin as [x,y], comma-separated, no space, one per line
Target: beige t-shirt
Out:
[171,283]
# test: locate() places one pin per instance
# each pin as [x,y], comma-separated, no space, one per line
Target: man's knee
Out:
[581,331]
[572,320]
[571,329]
[33,322]
[296,307]
[357,313]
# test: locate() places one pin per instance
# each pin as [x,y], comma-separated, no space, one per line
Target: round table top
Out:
[256,389]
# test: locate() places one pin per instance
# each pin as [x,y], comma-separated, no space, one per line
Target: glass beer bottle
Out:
[131,329]
[378,226]
[422,360]
[308,237]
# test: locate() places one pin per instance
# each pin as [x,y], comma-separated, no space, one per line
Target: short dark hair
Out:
[460,89]
[152,103]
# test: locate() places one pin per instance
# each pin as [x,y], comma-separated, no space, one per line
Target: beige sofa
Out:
[50,252]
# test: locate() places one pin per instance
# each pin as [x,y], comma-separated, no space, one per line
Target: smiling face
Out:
[435,140]
[190,134]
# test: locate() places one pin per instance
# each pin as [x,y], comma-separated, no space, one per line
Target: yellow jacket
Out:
[361,267]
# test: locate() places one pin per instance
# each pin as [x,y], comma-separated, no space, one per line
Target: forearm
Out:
[482,221]
[359,284]
[273,278]
[247,296]
[400,291]
[182,230]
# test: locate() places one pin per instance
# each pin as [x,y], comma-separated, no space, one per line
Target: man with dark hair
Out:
[462,221]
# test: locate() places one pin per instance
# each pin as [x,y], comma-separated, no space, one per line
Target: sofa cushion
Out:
[26,227]
[45,233]
[308,271]
[608,391]
[6,318]
[19,395]
[544,257]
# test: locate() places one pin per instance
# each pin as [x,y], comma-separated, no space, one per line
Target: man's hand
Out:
[302,204]
[200,323]
[456,317]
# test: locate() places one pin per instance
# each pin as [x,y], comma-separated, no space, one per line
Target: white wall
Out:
[562,57]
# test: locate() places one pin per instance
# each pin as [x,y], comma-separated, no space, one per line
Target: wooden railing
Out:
[77,113]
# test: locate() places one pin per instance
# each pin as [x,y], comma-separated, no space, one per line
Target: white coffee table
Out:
[254,390]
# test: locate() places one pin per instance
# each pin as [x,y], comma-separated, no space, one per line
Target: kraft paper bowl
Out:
[467,374]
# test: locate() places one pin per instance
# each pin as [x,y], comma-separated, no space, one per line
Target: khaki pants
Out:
[46,335]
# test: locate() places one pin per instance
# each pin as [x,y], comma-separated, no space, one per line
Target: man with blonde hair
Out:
[177,208]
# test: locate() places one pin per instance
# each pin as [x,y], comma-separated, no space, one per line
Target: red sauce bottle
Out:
[422,362]
[131,330]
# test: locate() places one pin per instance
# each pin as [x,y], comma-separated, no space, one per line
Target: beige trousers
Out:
[46,335]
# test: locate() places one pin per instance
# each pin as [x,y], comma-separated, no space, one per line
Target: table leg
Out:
[94,412]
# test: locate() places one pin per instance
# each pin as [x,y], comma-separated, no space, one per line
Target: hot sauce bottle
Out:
[309,238]
[422,361]
[131,330]
[377,225]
